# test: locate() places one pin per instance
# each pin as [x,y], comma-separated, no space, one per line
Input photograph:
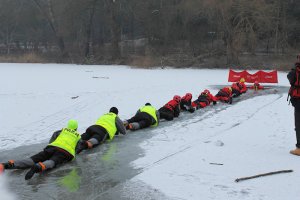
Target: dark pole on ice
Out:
[260,175]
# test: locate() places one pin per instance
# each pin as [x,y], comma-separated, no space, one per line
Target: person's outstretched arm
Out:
[120,126]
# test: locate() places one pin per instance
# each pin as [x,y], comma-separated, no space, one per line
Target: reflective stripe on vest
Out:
[151,111]
[67,140]
[108,121]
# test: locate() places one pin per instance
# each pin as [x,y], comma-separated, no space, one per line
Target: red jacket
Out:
[244,87]
[209,97]
[226,91]
[225,95]
[171,105]
[236,86]
[186,98]
[204,100]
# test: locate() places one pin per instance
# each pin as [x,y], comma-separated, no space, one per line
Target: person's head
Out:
[230,89]
[177,98]
[189,95]
[256,82]
[114,110]
[242,80]
[206,91]
[147,104]
[72,124]
[297,64]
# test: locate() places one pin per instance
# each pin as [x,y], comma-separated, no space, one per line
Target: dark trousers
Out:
[297,126]
[56,154]
[144,119]
[235,93]
[95,131]
[166,113]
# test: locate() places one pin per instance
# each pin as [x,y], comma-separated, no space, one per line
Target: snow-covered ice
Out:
[251,136]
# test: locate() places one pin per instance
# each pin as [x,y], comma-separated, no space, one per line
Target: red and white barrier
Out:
[260,76]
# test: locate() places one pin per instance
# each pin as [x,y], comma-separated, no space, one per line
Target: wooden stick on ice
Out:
[260,175]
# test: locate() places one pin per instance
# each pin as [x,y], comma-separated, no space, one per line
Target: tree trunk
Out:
[49,15]
[115,28]
[88,44]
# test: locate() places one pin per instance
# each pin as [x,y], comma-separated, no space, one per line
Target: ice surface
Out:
[172,161]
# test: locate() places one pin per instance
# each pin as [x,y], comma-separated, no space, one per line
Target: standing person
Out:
[294,93]
[146,116]
[225,95]
[204,99]
[186,103]
[61,148]
[105,128]
[170,109]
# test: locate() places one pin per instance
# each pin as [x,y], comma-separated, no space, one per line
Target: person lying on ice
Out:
[105,128]
[256,86]
[186,103]
[146,116]
[170,109]
[61,149]
[236,89]
[225,95]
[243,86]
[204,99]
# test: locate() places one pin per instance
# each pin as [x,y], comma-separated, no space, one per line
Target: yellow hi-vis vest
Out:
[108,121]
[151,111]
[67,140]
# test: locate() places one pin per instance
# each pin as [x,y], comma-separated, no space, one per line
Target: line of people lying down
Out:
[67,142]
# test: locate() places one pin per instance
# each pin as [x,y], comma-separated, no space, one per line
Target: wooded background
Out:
[201,33]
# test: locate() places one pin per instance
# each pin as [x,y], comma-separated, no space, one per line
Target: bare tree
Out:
[46,8]
[9,21]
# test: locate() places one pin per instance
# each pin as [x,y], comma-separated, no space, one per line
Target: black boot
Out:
[34,169]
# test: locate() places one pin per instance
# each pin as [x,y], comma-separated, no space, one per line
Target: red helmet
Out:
[206,91]
[188,95]
[177,98]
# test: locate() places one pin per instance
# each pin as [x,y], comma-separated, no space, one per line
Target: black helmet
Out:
[114,110]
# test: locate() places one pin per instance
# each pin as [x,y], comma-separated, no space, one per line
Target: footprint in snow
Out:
[219,143]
